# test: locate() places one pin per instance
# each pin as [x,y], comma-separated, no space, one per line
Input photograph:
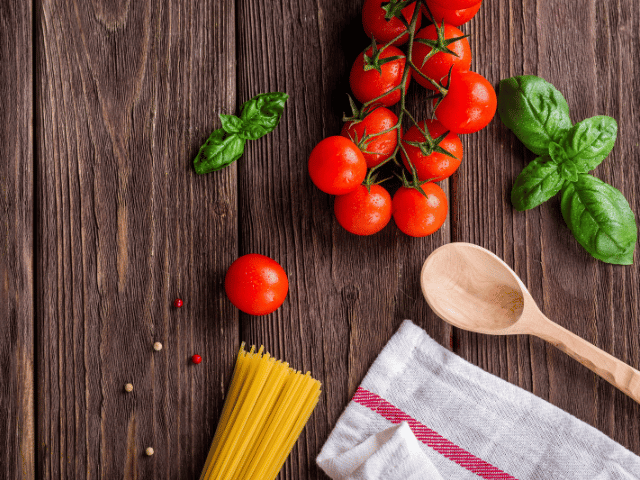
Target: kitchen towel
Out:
[422,412]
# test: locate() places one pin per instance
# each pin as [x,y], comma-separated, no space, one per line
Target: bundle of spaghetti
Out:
[267,407]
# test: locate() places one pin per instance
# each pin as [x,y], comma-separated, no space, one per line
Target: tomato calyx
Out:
[440,45]
[430,145]
[415,183]
[394,9]
[374,62]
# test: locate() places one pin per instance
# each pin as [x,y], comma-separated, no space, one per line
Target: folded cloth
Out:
[422,412]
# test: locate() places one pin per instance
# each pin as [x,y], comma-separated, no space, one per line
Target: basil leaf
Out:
[219,151]
[534,110]
[261,114]
[557,153]
[569,172]
[589,142]
[600,219]
[538,182]
[231,123]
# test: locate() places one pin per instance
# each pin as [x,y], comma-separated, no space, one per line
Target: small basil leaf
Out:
[261,114]
[534,110]
[569,172]
[600,219]
[218,152]
[537,183]
[231,123]
[589,142]
[557,153]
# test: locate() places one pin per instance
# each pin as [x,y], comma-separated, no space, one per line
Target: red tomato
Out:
[417,215]
[337,166]
[434,166]
[367,85]
[363,212]
[377,148]
[456,4]
[451,16]
[469,105]
[376,26]
[437,67]
[256,284]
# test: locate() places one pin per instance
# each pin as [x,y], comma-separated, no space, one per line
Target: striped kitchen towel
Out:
[422,412]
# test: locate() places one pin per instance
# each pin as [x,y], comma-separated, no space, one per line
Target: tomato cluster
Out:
[437,57]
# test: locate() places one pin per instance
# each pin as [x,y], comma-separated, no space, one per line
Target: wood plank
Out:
[126,96]
[347,294]
[597,301]
[17,415]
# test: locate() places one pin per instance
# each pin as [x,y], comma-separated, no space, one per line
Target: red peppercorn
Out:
[177,303]
[196,359]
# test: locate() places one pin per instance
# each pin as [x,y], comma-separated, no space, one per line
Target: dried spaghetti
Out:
[267,407]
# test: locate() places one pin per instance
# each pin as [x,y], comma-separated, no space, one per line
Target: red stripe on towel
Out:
[430,437]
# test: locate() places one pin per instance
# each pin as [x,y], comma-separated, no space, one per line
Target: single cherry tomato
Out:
[178,303]
[432,165]
[196,359]
[363,212]
[450,16]
[369,84]
[377,26]
[469,105]
[417,215]
[337,166]
[256,284]
[456,4]
[437,65]
[374,148]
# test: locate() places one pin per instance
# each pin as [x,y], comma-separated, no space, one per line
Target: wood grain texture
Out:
[107,223]
[17,413]
[128,93]
[597,301]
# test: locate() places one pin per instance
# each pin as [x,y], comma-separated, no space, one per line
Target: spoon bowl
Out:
[473,289]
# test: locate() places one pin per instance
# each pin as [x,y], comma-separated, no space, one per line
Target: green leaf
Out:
[600,219]
[534,110]
[538,182]
[557,153]
[589,142]
[231,123]
[261,114]
[569,172]
[219,151]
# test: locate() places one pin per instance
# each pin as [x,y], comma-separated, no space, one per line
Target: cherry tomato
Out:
[369,84]
[376,26]
[456,4]
[337,166]
[469,105]
[451,16]
[377,148]
[417,215]
[256,284]
[438,65]
[434,166]
[363,212]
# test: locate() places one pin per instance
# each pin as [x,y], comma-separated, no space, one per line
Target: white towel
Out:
[422,412]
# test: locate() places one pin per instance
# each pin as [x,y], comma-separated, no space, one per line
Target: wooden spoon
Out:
[471,288]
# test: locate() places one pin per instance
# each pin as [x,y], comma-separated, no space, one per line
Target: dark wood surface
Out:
[103,106]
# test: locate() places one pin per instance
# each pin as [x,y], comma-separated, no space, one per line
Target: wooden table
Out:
[104,222]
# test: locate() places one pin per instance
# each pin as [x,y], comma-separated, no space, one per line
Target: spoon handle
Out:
[614,371]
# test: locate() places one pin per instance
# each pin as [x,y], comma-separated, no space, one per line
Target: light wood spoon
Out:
[471,288]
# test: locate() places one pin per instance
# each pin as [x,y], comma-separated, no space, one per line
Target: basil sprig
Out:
[597,214]
[259,116]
